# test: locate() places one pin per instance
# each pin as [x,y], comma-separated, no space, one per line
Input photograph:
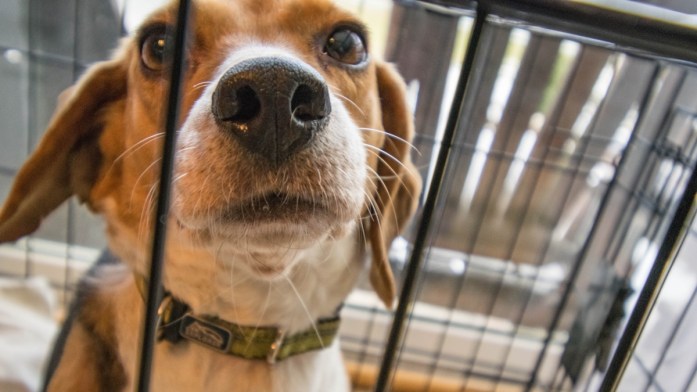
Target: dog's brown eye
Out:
[346,46]
[156,50]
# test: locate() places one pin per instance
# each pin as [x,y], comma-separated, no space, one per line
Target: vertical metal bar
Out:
[649,292]
[406,297]
[643,179]
[482,56]
[160,230]
[645,372]
[70,224]
[671,338]
[365,342]
[30,100]
[122,19]
[553,130]
[690,379]
[604,202]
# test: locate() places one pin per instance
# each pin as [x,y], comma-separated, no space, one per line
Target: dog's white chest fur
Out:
[313,289]
[199,370]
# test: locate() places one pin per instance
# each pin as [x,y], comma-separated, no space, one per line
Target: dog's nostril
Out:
[239,104]
[248,105]
[307,104]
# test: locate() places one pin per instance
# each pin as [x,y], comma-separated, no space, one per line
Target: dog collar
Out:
[269,343]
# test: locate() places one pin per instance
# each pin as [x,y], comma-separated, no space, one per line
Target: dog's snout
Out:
[273,106]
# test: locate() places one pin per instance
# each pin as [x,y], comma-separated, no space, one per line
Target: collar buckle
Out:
[275,347]
[169,318]
[164,313]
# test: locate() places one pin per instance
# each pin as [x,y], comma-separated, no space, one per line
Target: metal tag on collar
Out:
[205,333]
[163,315]
[275,347]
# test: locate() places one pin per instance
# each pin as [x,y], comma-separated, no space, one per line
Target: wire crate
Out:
[558,144]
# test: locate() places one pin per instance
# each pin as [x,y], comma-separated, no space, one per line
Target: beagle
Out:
[292,160]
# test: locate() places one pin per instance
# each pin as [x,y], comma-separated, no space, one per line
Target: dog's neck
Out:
[218,282]
[314,287]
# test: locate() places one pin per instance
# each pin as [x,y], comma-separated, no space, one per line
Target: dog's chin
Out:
[266,267]
[287,223]
[267,248]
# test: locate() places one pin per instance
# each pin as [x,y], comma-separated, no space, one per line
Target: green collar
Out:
[269,343]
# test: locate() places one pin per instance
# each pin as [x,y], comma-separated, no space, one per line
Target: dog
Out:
[292,165]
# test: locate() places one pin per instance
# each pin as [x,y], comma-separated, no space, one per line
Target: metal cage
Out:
[558,150]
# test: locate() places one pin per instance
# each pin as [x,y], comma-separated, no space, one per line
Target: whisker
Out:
[388,155]
[140,144]
[349,101]
[378,152]
[396,175]
[232,278]
[135,185]
[179,177]
[146,212]
[376,216]
[202,84]
[186,149]
[261,317]
[392,136]
[379,202]
[307,312]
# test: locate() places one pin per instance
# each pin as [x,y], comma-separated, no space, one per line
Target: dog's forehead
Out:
[262,18]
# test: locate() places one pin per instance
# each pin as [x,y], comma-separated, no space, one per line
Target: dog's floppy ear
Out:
[399,183]
[66,161]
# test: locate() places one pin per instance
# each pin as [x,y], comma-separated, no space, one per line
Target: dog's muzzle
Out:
[273,106]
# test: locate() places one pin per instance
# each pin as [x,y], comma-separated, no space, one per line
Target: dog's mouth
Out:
[269,271]
[275,207]
[288,220]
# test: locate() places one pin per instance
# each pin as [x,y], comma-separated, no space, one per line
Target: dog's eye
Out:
[347,46]
[156,50]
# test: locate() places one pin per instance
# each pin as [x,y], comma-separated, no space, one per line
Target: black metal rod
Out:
[123,31]
[406,297]
[649,292]
[679,323]
[631,31]
[31,104]
[160,230]
[70,223]
[575,270]
[554,130]
[689,381]
[482,57]
[642,181]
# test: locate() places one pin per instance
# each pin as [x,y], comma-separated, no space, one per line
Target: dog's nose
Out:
[273,106]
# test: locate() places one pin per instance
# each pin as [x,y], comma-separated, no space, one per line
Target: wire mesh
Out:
[553,182]
[549,194]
